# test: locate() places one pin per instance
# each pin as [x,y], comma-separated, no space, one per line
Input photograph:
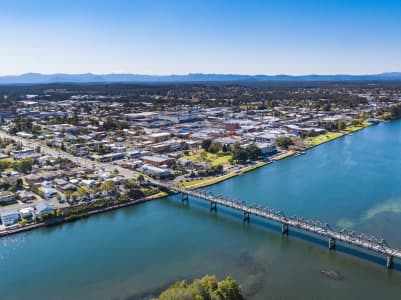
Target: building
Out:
[24,153]
[159,137]
[49,192]
[9,218]
[6,197]
[182,117]
[158,160]
[25,135]
[155,171]
[109,156]
[89,182]
[43,208]
[26,212]
[266,148]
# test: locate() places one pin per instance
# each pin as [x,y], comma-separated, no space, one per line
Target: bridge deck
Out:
[316,227]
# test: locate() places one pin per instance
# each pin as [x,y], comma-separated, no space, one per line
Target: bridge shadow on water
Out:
[343,248]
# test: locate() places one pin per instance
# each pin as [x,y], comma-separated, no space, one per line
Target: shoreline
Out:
[62,220]
[197,184]
[201,183]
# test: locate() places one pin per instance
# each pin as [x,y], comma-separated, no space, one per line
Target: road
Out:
[108,167]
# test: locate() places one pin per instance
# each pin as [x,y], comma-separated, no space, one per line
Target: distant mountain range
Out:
[37,78]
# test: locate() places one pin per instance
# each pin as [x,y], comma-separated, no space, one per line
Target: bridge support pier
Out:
[246,217]
[332,243]
[213,206]
[389,263]
[284,228]
[184,198]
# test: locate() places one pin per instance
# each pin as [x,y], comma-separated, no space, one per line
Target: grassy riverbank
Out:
[329,136]
[309,143]
[199,183]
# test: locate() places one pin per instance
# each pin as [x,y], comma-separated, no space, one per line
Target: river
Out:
[133,253]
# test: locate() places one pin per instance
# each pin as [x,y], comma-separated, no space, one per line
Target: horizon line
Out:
[201,73]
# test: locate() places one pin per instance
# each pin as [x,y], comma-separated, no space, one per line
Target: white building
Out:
[89,182]
[49,192]
[6,197]
[24,153]
[26,212]
[266,148]
[43,208]
[155,171]
[9,218]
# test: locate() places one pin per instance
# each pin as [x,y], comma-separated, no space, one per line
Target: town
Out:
[69,151]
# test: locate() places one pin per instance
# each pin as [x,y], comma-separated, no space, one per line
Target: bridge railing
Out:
[315,226]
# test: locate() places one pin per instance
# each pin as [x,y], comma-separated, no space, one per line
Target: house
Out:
[49,192]
[26,196]
[266,148]
[26,212]
[24,153]
[43,208]
[158,160]
[24,134]
[89,182]
[9,218]
[46,185]
[155,171]
[6,197]
[159,137]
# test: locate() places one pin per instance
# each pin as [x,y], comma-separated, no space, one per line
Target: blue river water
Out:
[133,253]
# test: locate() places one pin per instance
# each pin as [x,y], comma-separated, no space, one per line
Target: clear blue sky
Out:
[216,36]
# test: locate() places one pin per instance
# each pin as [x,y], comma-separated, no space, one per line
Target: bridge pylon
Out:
[246,217]
[284,228]
[184,198]
[213,206]
[389,262]
[332,243]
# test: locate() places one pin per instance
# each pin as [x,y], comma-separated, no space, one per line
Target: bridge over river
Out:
[360,240]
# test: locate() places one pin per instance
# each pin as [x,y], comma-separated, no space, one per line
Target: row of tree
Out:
[239,154]
[23,166]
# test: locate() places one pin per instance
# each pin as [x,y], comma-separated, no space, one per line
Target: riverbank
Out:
[200,183]
[310,143]
[330,136]
[61,220]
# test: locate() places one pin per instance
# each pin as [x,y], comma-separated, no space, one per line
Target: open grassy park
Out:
[220,158]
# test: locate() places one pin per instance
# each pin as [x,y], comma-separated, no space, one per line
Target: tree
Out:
[214,147]
[240,155]
[205,288]
[108,186]
[141,179]
[356,122]
[253,152]
[135,193]
[225,148]
[284,142]
[59,198]
[4,164]
[24,165]
[341,125]
[206,144]
[17,185]
[67,195]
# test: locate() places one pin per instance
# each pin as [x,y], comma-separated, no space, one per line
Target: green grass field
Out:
[214,159]
[198,183]
[251,168]
[357,127]
[322,138]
